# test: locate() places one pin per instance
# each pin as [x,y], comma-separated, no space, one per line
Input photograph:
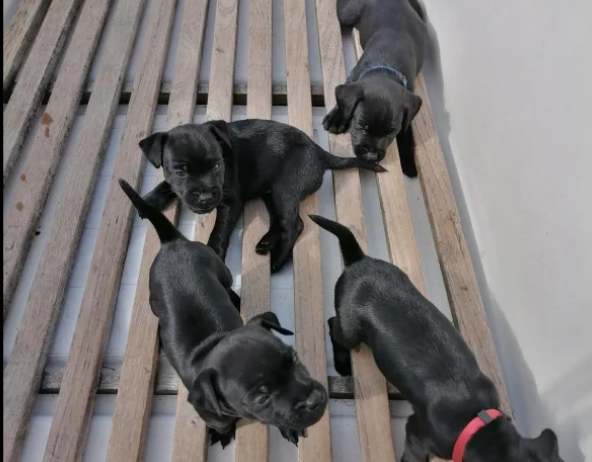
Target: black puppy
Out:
[230,370]
[220,166]
[377,103]
[421,353]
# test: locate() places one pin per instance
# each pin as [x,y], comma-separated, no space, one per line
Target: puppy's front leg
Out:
[227,215]
[161,197]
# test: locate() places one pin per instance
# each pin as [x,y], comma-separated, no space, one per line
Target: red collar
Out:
[483,418]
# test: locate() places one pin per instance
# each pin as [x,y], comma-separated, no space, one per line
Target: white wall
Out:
[511,86]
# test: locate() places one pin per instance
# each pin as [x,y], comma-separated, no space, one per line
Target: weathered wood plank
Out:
[190,435]
[252,438]
[19,36]
[308,287]
[455,261]
[400,236]
[219,107]
[74,405]
[134,399]
[32,191]
[34,78]
[373,416]
[167,384]
[23,372]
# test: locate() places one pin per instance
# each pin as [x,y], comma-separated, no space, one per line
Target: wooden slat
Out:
[75,402]
[33,80]
[32,191]
[219,107]
[252,438]
[167,384]
[190,435]
[308,288]
[134,399]
[19,36]
[25,365]
[455,261]
[373,416]
[402,244]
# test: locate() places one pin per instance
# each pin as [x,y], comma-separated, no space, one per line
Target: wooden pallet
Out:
[83,376]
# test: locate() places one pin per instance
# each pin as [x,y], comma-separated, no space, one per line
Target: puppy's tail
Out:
[164,228]
[331,162]
[350,249]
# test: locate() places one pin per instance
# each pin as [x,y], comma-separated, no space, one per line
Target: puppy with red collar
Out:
[420,352]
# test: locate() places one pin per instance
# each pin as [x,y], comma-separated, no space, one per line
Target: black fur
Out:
[374,105]
[231,370]
[421,353]
[221,166]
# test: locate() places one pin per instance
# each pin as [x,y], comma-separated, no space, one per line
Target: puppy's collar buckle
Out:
[483,418]
[392,70]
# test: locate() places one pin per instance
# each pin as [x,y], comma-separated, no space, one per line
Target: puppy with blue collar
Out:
[376,103]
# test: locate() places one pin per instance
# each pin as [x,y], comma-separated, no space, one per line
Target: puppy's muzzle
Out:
[203,201]
[370,154]
[313,407]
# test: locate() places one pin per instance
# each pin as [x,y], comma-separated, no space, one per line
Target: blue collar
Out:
[392,70]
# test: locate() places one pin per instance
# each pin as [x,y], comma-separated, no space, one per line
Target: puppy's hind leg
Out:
[272,236]
[225,278]
[349,12]
[415,449]
[341,353]
[236,301]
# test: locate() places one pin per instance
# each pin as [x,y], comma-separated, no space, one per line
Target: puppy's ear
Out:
[153,148]
[546,444]
[412,106]
[348,97]
[269,320]
[202,394]
[220,130]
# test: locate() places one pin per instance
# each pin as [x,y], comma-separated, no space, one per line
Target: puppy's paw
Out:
[278,261]
[373,166]
[223,438]
[293,435]
[409,168]
[265,245]
[343,364]
[334,122]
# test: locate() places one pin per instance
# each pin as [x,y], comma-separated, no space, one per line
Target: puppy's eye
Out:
[217,166]
[263,396]
[181,171]
[262,399]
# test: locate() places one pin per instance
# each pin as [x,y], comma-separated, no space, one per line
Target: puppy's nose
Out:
[204,197]
[370,156]
[315,400]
